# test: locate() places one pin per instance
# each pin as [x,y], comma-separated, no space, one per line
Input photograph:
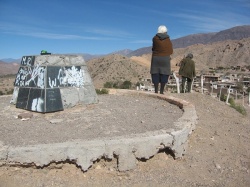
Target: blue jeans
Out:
[159,78]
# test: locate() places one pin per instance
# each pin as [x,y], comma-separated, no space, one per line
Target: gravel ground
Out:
[218,155]
[112,116]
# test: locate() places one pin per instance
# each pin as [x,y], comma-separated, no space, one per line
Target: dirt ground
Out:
[218,155]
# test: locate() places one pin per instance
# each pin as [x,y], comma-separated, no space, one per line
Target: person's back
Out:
[162,46]
[187,68]
[160,63]
[187,71]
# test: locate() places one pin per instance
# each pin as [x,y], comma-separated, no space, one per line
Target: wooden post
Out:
[248,98]
[192,86]
[243,95]
[202,83]
[220,91]
[212,88]
[228,93]
[177,82]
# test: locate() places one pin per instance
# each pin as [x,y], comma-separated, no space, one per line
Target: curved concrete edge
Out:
[127,149]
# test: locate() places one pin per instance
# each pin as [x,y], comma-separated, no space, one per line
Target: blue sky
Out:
[105,26]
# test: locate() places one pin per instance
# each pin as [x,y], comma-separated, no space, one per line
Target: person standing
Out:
[160,63]
[187,72]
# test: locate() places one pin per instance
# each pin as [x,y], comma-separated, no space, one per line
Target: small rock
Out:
[111,169]
[56,120]
[25,116]
[218,166]
[98,167]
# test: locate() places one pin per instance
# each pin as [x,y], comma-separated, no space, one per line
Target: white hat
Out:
[162,29]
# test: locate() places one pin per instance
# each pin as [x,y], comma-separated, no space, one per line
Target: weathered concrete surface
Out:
[127,149]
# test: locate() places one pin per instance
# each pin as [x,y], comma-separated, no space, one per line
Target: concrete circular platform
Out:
[124,125]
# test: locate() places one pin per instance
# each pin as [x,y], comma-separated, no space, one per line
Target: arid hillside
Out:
[120,68]
[8,68]
[225,54]
[113,68]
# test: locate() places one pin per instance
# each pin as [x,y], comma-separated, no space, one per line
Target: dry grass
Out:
[7,84]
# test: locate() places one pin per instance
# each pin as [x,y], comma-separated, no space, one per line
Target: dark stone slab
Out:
[53,100]
[36,100]
[22,99]
[53,76]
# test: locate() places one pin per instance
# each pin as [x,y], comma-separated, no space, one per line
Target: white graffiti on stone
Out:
[37,104]
[26,60]
[38,72]
[52,83]
[41,78]
[75,77]
[21,76]
[26,75]
[62,76]
[70,77]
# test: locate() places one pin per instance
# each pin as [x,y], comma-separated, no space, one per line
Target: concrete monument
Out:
[48,83]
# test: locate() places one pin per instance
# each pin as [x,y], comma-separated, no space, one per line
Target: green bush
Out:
[237,107]
[240,109]
[222,97]
[118,85]
[10,91]
[231,101]
[126,85]
[108,85]
[102,91]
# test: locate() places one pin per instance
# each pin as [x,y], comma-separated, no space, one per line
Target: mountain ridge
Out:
[234,33]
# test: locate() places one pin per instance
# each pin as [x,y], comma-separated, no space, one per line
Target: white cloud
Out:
[90,34]
[141,42]
[59,36]
[211,22]
[108,32]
